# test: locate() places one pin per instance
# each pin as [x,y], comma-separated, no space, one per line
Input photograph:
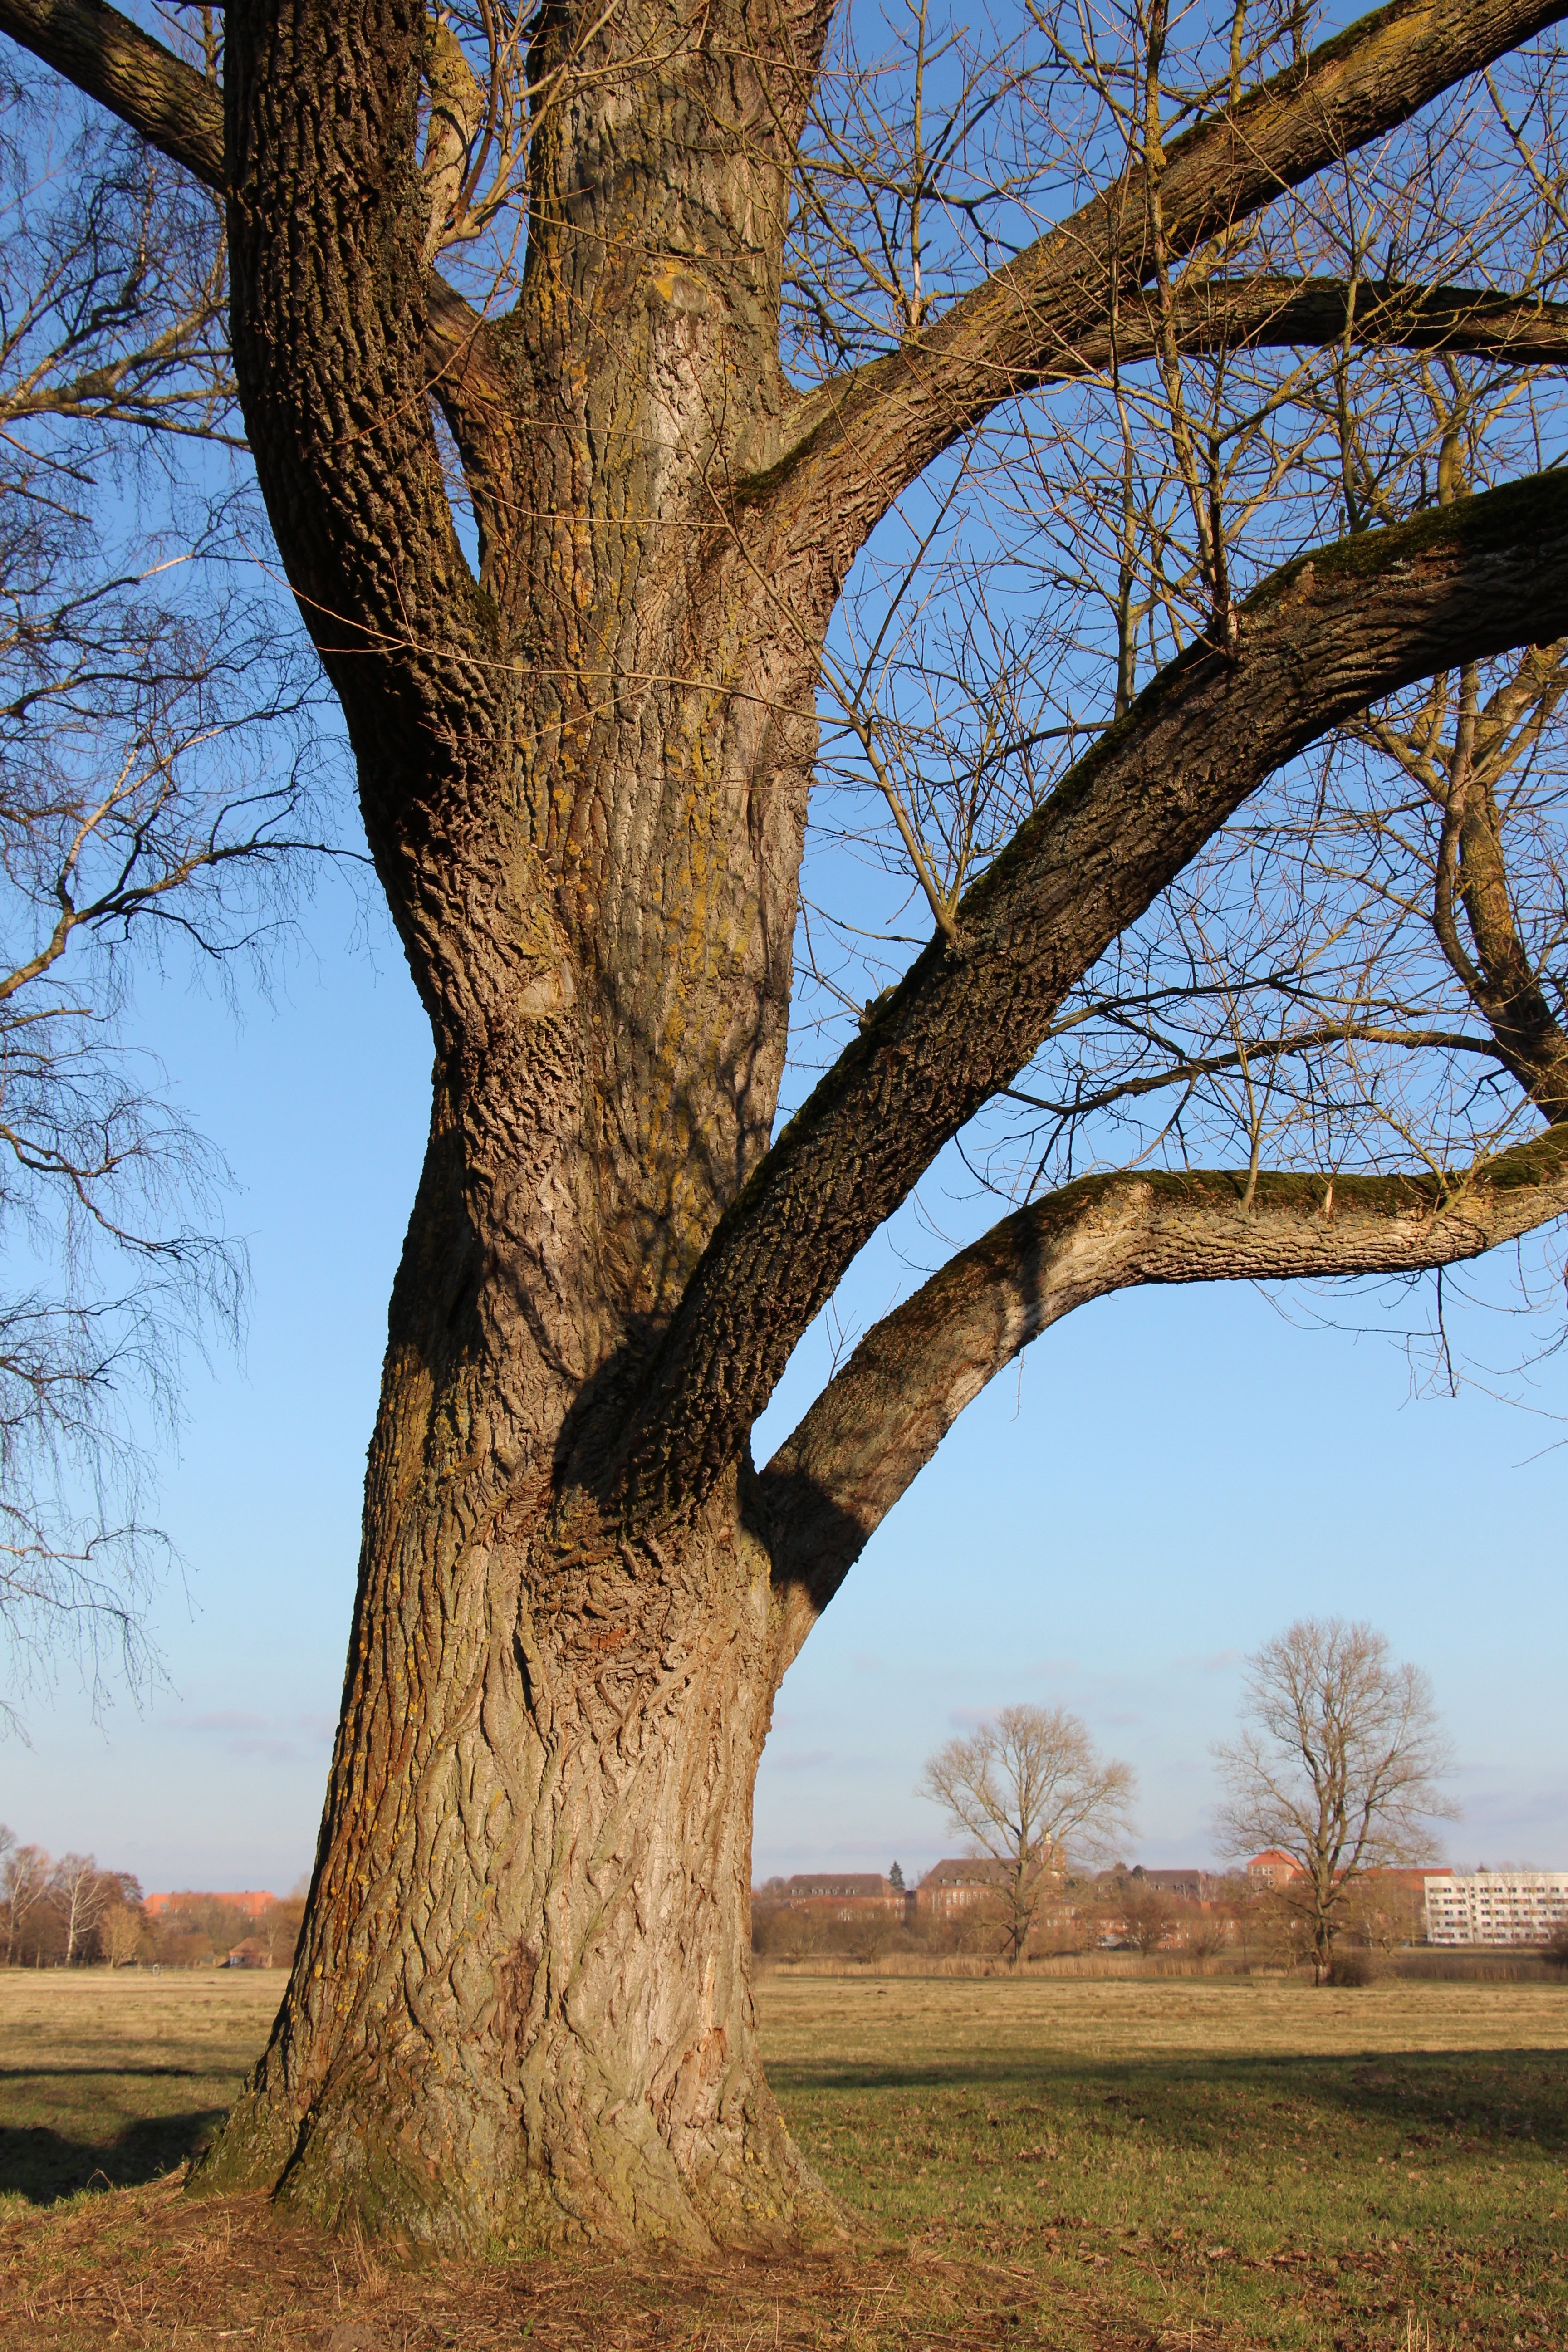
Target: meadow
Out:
[1138,2163]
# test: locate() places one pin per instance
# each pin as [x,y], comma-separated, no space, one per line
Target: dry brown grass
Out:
[1419,1967]
[1099,2165]
[1235,2016]
[149,2268]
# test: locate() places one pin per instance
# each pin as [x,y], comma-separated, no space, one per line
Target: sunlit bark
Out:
[519,2005]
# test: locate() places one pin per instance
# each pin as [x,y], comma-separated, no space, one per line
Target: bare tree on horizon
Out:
[1033,1794]
[1337,1765]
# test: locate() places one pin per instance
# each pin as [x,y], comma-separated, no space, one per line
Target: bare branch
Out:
[859,439]
[876,1425]
[1316,642]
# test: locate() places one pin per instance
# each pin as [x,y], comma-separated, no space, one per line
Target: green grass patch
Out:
[1272,2165]
[1192,2165]
[110,2080]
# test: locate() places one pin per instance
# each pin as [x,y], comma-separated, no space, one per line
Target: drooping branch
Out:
[876,1424]
[857,441]
[1318,641]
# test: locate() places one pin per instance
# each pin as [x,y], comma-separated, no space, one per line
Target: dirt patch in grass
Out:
[1103,2167]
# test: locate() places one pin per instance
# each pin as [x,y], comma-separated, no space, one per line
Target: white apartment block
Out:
[1495,1907]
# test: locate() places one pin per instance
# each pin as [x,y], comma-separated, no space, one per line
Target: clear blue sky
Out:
[1178,1475]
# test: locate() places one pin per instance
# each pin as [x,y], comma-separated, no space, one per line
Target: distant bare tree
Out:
[154,789]
[1148,1913]
[1385,1912]
[1337,1764]
[278,1929]
[1027,1789]
[122,1932]
[24,1883]
[1205,1931]
[79,1892]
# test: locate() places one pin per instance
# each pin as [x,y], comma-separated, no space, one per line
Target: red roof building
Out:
[251,1903]
[1274,1869]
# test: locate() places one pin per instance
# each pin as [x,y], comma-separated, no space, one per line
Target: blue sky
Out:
[1177,1475]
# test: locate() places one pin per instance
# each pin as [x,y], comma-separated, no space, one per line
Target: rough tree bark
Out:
[520,2002]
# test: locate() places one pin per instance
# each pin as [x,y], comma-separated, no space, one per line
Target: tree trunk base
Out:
[353,2165]
[520,2013]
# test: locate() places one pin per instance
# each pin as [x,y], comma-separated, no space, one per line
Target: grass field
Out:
[1293,2167]
[1084,2164]
[106,2079]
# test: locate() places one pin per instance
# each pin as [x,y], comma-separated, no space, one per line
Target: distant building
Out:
[950,1888]
[1273,1869]
[1183,1885]
[842,1893]
[252,1953]
[1495,1907]
[252,1903]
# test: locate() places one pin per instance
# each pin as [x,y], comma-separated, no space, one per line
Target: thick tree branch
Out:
[857,441]
[170,104]
[135,77]
[328,315]
[1291,313]
[1507,988]
[468,374]
[876,1424]
[1317,642]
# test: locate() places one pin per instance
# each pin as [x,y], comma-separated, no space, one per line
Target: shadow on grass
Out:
[43,2164]
[1489,2095]
[53,2073]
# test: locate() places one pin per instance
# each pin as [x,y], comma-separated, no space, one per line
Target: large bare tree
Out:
[1337,1764]
[1031,1792]
[746,300]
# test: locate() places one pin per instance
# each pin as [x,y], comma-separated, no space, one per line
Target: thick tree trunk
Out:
[521,2005]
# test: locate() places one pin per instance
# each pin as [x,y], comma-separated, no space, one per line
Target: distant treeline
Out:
[66,1911]
[1114,1909]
